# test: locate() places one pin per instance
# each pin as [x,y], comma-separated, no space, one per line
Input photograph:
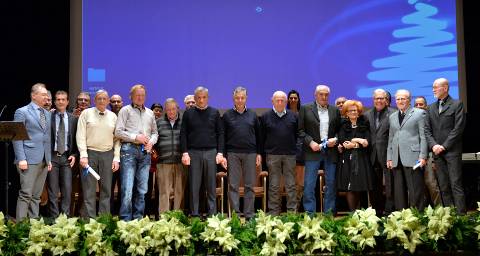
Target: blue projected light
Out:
[352,46]
[96,75]
[425,51]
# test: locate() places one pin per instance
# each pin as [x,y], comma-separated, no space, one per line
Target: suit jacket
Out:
[446,128]
[379,136]
[71,136]
[37,148]
[309,129]
[407,140]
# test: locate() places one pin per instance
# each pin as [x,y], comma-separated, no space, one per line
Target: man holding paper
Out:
[319,124]
[99,150]
[406,151]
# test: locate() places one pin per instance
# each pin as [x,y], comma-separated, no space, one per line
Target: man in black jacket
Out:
[378,118]
[64,154]
[318,124]
[444,128]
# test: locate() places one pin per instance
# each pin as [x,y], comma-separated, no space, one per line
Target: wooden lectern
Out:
[9,131]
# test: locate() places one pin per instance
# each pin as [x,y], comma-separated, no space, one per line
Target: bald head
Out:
[440,88]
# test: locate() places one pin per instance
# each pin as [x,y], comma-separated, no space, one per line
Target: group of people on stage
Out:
[405,157]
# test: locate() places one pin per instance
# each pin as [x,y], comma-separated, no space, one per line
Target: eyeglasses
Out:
[82,99]
[379,98]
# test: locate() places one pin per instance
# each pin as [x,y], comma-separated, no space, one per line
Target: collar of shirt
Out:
[280,114]
[240,112]
[35,106]
[100,112]
[442,101]
[139,107]
[201,108]
[321,108]
[404,112]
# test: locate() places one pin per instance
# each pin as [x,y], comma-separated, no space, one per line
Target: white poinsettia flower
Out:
[362,227]
[219,231]
[406,227]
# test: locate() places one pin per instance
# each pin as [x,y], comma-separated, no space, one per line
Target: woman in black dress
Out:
[354,173]
[294,105]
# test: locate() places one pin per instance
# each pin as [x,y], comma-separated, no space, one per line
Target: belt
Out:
[58,154]
[133,144]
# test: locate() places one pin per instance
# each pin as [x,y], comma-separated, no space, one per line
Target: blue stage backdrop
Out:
[353,46]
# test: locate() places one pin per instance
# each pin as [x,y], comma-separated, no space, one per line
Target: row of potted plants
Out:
[408,231]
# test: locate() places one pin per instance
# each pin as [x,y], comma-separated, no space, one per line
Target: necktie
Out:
[402,115]
[377,120]
[43,118]
[440,106]
[61,136]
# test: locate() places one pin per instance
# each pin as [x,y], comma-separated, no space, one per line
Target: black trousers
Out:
[409,187]
[203,169]
[383,204]
[449,174]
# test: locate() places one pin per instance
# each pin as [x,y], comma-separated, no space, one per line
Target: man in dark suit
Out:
[64,153]
[407,147]
[444,128]
[318,124]
[378,117]
[33,156]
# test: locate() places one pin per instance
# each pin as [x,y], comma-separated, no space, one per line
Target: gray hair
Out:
[84,93]
[380,90]
[240,89]
[36,88]
[403,91]
[322,87]
[279,94]
[101,91]
[170,100]
[200,89]
[49,93]
[442,81]
[188,97]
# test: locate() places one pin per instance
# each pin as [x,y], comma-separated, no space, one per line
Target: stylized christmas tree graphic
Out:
[426,52]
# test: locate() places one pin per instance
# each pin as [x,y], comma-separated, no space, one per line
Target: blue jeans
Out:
[135,165]
[310,181]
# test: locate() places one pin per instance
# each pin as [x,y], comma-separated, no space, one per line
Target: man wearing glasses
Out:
[379,126]
[83,102]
